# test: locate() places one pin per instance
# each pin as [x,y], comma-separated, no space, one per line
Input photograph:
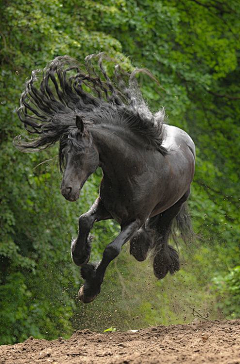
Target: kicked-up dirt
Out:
[207,342]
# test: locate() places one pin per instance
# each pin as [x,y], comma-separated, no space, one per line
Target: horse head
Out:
[80,158]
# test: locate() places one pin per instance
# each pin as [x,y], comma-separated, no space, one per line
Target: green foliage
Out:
[36,224]
[228,292]
[192,47]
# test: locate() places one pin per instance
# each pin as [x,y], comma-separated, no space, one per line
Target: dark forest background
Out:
[193,49]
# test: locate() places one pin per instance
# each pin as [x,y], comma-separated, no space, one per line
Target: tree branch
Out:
[223,96]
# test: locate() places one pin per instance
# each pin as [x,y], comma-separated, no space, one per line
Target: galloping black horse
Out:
[147,166]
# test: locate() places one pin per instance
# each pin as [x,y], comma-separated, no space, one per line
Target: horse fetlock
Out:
[92,284]
[175,264]
[166,260]
[140,244]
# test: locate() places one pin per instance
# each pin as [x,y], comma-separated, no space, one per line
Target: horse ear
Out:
[79,123]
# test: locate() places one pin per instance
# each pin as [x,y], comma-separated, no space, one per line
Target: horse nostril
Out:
[68,190]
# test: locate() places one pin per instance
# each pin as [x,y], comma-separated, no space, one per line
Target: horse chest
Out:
[127,199]
[119,200]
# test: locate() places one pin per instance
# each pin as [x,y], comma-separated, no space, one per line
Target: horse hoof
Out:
[82,297]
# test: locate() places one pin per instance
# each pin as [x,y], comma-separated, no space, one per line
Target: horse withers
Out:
[147,165]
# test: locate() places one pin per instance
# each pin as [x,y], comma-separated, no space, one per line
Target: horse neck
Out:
[116,148]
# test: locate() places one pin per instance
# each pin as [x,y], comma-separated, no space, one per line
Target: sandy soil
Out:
[208,342]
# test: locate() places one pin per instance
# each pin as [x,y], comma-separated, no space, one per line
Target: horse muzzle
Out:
[70,194]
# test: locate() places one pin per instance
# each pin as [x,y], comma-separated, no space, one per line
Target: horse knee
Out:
[85,222]
[80,258]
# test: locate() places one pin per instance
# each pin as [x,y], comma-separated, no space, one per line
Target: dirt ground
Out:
[207,342]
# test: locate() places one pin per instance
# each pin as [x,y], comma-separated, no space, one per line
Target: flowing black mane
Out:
[48,108]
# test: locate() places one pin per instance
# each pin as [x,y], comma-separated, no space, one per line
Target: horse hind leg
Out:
[165,257]
[140,244]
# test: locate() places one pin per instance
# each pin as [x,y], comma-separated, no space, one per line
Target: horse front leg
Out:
[94,276]
[80,247]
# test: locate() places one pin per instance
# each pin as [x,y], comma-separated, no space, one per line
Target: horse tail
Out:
[181,228]
[176,223]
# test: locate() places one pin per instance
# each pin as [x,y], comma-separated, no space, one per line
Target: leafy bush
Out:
[228,293]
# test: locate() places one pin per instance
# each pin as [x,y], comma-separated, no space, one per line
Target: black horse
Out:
[147,166]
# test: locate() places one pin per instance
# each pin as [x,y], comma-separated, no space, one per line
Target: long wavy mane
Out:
[49,105]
